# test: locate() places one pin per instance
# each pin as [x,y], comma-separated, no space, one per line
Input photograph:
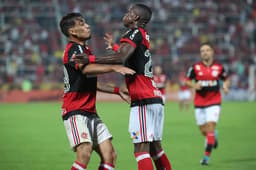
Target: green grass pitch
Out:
[33,137]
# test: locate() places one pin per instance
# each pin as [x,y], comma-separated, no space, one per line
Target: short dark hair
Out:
[208,44]
[144,13]
[68,21]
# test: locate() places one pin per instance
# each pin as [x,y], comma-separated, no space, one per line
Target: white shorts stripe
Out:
[141,127]
[77,133]
[145,123]
[74,130]
[143,156]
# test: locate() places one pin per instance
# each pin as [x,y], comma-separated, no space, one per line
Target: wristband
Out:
[116,90]
[91,58]
[115,47]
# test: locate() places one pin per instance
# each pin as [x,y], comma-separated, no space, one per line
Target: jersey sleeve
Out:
[191,73]
[224,74]
[133,37]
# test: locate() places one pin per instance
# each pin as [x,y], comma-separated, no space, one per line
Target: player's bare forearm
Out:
[85,59]
[226,85]
[125,51]
[105,88]
[94,69]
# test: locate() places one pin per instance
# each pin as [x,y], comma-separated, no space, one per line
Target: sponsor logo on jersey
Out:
[215,67]
[208,83]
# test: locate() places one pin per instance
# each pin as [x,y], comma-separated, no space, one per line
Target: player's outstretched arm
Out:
[94,69]
[124,52]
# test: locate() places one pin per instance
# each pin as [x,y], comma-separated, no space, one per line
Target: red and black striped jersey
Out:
[209,78]
[141,86]
[79,89]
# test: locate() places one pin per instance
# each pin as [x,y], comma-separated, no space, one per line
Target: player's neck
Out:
[207,62]
[78,41]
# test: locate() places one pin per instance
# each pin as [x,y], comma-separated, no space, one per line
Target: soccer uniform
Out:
[160,84]
[78,109]
[147,112]
[184,91]
[208,99]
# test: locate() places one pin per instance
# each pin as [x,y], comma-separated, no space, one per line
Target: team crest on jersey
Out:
[214,73]
[215,67]
[200,73]
[197,67]
[84,135]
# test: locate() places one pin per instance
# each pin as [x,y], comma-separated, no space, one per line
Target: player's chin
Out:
[88,37]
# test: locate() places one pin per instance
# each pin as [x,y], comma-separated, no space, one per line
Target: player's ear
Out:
[72,31]
[137,17]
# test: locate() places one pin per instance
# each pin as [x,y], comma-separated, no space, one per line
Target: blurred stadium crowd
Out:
[31,45]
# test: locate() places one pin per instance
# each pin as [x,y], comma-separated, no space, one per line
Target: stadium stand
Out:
[31,45]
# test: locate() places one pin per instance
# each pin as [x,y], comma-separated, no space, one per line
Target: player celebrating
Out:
[147,110]
[207,75]
[85,130]
[160,79]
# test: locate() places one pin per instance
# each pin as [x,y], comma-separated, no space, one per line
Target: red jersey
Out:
[160,82]
[79,89]
[209,78]
[141,86]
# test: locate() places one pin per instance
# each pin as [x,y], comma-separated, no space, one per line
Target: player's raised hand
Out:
[80,58]
[109,40]
[123,70]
